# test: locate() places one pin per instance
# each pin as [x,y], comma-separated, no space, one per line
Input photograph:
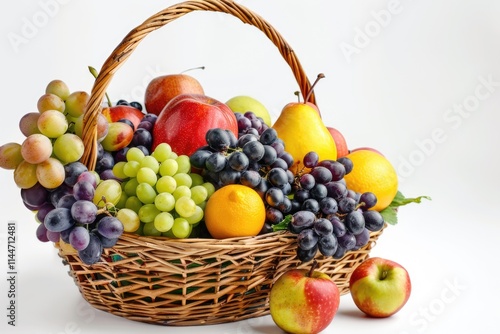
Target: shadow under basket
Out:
[196,281]
[192,281]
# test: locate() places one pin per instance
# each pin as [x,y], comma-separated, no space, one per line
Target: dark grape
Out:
[58,220]
[336,168]
[354,222]
[277,177]
[250,178]
[373,220]
[274,196]
[92,253]
[35,196]
[243,124]
[306,255]
[136,105]
[269,156]
[319,191]
[262,188]
[273,215]
[73,171]
[279,147]
[348,165]
[367,200]
[336,190]
[311,159]
[218,139]
[301,195]
[339,253]
[328,206]
[84,212]
[328,244]
[238,161]
[307,181]
[288,158]
[242,140]
[41,233]
[348,241]
[280,163]
[199,157]
[301,220]
[216,162]
[122,102]
[151,118]
[362,238]
[106,242]
[121,154]
[106,162]
[229,176]
[84,190]
[233,141]
[346,205]
[110,227]
[321,174]
[79,238]
[307,239]
[66,201]
[142,137]
[146,125]
[43,210]
[322,227]
[310,204]
[285,206]
[268,136]
[254,150]
[339,228]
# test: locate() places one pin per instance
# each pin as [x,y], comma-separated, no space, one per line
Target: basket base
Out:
[145,280]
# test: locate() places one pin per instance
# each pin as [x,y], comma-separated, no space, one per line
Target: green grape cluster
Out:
[160,188]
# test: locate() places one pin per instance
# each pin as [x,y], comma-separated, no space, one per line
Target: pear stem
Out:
[313,267]
[318,78]
[94,73]
[194,68]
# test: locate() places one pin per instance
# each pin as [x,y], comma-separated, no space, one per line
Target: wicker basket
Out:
[191,281]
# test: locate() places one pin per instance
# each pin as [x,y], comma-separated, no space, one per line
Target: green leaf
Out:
[401,200]
[390,215]
[282,225]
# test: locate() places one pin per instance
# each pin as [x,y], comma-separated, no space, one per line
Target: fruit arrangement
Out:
[136,195]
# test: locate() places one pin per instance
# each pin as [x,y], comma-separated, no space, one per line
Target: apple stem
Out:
[194,68]
[318,78]
[383,275]
[313,267]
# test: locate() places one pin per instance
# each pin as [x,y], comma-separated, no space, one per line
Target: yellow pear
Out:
[302,130]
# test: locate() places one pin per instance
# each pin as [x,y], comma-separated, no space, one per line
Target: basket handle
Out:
[158,20]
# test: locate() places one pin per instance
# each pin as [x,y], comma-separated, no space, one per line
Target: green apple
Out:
[303,301]
[380,287]
[244,103]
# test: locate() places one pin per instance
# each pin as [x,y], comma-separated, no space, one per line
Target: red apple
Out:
[185,120]
[367,149]
[340,142]
[380,287]
[303,301]
[118,112]
[164,88]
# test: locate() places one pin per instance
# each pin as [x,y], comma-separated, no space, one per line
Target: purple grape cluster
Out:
[256,158]
[68,213]
[331,218]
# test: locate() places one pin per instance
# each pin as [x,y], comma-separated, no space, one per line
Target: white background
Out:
[399,93]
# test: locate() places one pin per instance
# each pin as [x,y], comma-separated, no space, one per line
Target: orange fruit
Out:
[234,210]
[373,172]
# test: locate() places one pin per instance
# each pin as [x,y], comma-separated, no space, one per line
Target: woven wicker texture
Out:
[191,281]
